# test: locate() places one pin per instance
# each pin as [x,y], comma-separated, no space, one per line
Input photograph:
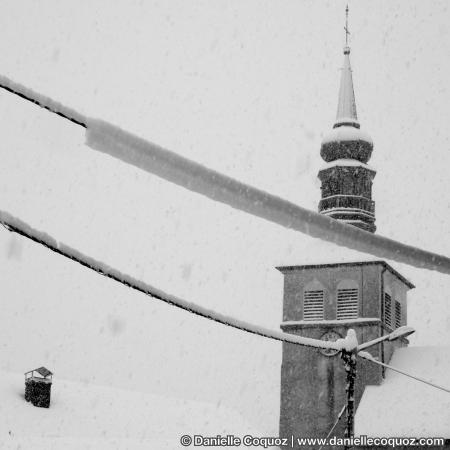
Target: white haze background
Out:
[247,88]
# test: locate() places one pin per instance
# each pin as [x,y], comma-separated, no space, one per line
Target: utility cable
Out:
[368,357]
[15,225]
[42,101]
[218,187]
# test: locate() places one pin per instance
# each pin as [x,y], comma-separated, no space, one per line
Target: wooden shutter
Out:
[313,305]
[398,314]
[347,304]
[387,309]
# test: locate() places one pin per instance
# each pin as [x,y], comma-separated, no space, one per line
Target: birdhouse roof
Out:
[42,371]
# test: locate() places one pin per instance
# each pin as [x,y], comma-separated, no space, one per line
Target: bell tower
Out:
[346,177]
[323,301]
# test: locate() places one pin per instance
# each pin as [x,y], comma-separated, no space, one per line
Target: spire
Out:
[346,179]
[346,111]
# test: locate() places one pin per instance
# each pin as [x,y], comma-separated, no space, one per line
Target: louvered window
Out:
[347,304]
[313,305]
[387,309]
[398,314]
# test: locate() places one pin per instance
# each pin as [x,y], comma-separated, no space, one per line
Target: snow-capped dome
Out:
[346,142]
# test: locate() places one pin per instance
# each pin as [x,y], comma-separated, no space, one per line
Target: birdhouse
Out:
[38,384]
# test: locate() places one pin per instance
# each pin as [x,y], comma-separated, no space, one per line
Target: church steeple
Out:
[323,301]
[346,178]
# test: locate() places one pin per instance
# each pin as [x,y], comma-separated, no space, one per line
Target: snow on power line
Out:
[172,167]
[168,165]
[17,226]
[42,101]
[348,344]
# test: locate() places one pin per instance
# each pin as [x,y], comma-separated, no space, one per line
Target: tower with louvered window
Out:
[324,301]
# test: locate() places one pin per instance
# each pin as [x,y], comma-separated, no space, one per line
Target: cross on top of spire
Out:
[346,27]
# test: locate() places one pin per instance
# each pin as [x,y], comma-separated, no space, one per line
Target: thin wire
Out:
[43,102]
[14,225]
[404,373]
[335,423]
[218,187]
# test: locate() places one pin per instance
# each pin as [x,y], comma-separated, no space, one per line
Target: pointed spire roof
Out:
[346,111]
[346,140]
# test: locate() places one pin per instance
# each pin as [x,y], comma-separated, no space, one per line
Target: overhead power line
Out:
[17,226]
[218,187]
[42,101]
[368,357]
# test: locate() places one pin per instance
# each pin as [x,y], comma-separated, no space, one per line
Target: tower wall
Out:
[312,383]
[366,275]
[347,194]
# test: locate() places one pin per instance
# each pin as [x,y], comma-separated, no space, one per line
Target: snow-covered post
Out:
[348,355]
[349,358]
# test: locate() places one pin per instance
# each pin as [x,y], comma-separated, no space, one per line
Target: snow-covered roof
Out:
[405,407]
[41,371]
[349,263]
[321,253]
[317,251]
[346,133]
[89,416]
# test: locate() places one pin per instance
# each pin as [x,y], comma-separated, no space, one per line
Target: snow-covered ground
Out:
[404,407]
[87,416]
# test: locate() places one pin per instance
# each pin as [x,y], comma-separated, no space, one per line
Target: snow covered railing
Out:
[172,167]
[17,226]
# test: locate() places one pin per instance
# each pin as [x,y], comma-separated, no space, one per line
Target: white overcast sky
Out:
[247,88]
